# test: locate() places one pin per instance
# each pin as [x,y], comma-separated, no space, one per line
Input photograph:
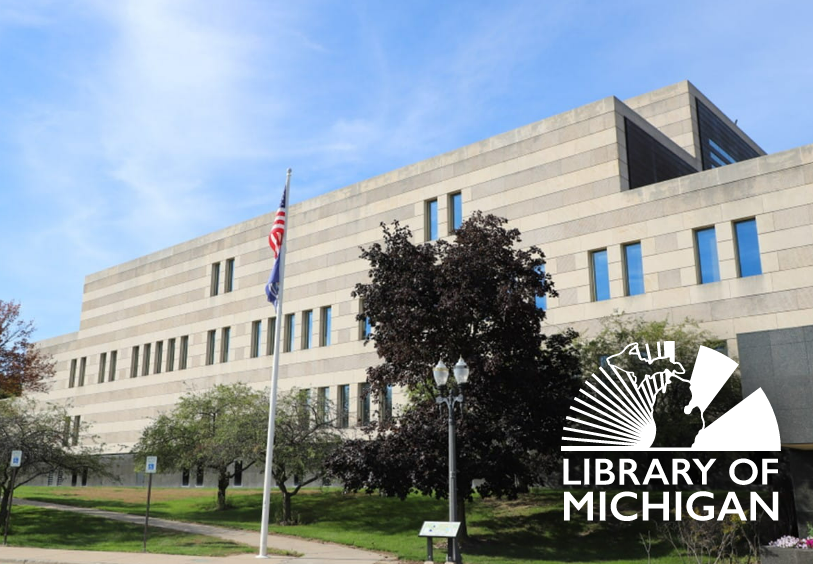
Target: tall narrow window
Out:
[633,269]
[72,377]
[145,367]
[83,362]
[134,362]
[541,301]
[325,326]
[170,355]
[159,357]
[455,211]
[365,327]
[343,416]
[431,227]
[77,422]
[182,361]
[238,473]
[66,431]
[256,338]
[102,367]
[307,328]
[272,336]
[290,324]
[707,262]
[215,283]
[229,283]
[364,403]
[112,374]
[600,275]
[210,347]
[225,333]
[322,399]
[386,404]
[185,478]
[747,241]
[199,477]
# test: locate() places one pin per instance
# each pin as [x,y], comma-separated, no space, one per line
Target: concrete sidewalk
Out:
[313,552]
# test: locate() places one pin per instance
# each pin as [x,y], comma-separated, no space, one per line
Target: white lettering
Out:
[731,499]
[566,474]
[655,467]
[708,508]
[772,511]
[732,471]
[766,470]
[627,469]
[586,500]
[680,467]
[663,506]
[614,507]
[704,470]
[604,472]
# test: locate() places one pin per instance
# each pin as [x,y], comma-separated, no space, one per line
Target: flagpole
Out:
[269,444]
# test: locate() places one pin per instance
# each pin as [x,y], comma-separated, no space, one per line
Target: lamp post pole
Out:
[441,375]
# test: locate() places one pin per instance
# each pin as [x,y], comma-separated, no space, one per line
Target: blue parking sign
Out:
[16,458]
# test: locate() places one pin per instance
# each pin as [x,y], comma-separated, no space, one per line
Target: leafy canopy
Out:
[23,367]
[475,297]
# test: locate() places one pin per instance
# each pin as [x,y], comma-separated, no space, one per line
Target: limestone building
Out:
[658,205]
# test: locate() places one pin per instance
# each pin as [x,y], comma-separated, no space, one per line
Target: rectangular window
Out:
[210,347]
[185,478]
[77,422]
[102,367]
[159,357]
[307,328]
[256,338]
[134,362]
[746,240]
[343,416]
[199,477]
[364,324]
[541,301]
[633,269]
[170,355]
[272,336]
[229,283]
[66,432]
[182,362]
[599,275]
[290,324]
[305,414]
[386,404]
[215,284]
[325,326]
[72,377]
[83,362]
[112,374]
[238,473]
[225,333]
[364,404]
[145,365]
[455,211]
[706,253]
[322,399]
[431,227]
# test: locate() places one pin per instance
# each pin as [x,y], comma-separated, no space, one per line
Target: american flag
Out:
[275,241]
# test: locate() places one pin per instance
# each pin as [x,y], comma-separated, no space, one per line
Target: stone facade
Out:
[563,181]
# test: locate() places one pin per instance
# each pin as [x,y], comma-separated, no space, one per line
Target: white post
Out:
[269,445]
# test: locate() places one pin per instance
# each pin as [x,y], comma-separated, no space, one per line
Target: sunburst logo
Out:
[615,408]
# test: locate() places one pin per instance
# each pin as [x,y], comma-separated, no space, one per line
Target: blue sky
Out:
[130,126]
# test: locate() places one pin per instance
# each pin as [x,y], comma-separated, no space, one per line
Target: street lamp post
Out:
[455,395]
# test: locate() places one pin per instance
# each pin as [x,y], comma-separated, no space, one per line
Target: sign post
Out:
[150,468]
[16,460]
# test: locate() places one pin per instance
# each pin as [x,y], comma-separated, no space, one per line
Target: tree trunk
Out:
[463,534]
[286,508]
[4,508]
[222,484]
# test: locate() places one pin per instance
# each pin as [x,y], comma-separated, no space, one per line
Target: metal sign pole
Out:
[147,516]
[150,467]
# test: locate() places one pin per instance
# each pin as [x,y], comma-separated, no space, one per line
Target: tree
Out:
[675,428]
[23,367]
[211,429]
[304,438]
[475,297]
[42,432]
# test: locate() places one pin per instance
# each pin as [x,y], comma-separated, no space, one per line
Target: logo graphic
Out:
[615,408]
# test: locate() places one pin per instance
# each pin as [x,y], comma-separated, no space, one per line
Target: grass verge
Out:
[45,528]
[529,530]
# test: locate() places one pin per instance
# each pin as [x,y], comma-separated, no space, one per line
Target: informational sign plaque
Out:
[16,458]
[152,464]
[442,529]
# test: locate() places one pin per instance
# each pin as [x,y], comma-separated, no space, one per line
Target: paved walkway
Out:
[313,552]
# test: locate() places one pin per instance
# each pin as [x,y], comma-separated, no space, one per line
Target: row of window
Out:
[746,245]
[454,220]
[156,363]
[228,283]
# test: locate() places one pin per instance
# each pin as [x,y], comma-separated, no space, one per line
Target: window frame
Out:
[289,333]
[111,375]
[307,330]
[102,367]
[256,338]
[452,209]
[428,223]
[625,267]
[325,326]
[698,256]
[211,342]
[228,283]
[594,286]
[225,342]
[134,356]
[738,247]
[214,284]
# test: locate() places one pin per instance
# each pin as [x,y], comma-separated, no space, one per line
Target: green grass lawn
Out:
[46,528]
[530,530]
